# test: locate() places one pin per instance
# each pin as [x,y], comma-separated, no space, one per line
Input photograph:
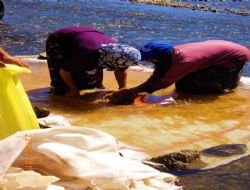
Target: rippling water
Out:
[192,122]
[27,22]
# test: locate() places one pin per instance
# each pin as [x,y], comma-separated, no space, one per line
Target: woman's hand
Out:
[5,57]
[122,97]
[2,64]
[17,61]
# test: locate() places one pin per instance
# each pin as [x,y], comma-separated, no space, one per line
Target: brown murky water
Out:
[192,122]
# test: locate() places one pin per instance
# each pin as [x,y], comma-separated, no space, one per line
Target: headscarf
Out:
[115,56]
[155,49]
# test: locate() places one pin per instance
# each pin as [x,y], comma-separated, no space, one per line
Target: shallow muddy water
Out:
[192,122]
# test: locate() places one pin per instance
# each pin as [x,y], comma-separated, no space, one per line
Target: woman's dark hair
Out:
[2,9]
[164,63]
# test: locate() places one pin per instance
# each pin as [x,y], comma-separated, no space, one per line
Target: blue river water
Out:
[27,23]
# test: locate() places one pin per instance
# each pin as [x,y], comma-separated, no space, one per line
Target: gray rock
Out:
[226,150]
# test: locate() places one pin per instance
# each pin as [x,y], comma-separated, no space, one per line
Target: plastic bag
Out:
[152,99]
[16,112]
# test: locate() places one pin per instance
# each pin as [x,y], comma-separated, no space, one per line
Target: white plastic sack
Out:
[86,158]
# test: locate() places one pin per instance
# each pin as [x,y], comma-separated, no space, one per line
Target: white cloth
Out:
[245,82]
[54,121]
[141,68]
[82,158]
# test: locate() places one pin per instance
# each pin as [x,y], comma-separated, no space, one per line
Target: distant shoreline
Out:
[169,3]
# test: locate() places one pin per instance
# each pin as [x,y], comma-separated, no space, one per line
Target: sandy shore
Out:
[169,3]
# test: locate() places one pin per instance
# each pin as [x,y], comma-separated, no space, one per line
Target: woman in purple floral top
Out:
[77,56]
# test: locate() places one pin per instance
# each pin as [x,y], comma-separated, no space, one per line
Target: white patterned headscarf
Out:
[117,56]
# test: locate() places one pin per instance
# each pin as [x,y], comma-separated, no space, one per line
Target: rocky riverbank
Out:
[199,7]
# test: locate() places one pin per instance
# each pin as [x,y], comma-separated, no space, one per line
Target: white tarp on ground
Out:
[78,159]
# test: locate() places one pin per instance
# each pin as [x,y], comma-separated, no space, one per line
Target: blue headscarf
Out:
[154,50]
